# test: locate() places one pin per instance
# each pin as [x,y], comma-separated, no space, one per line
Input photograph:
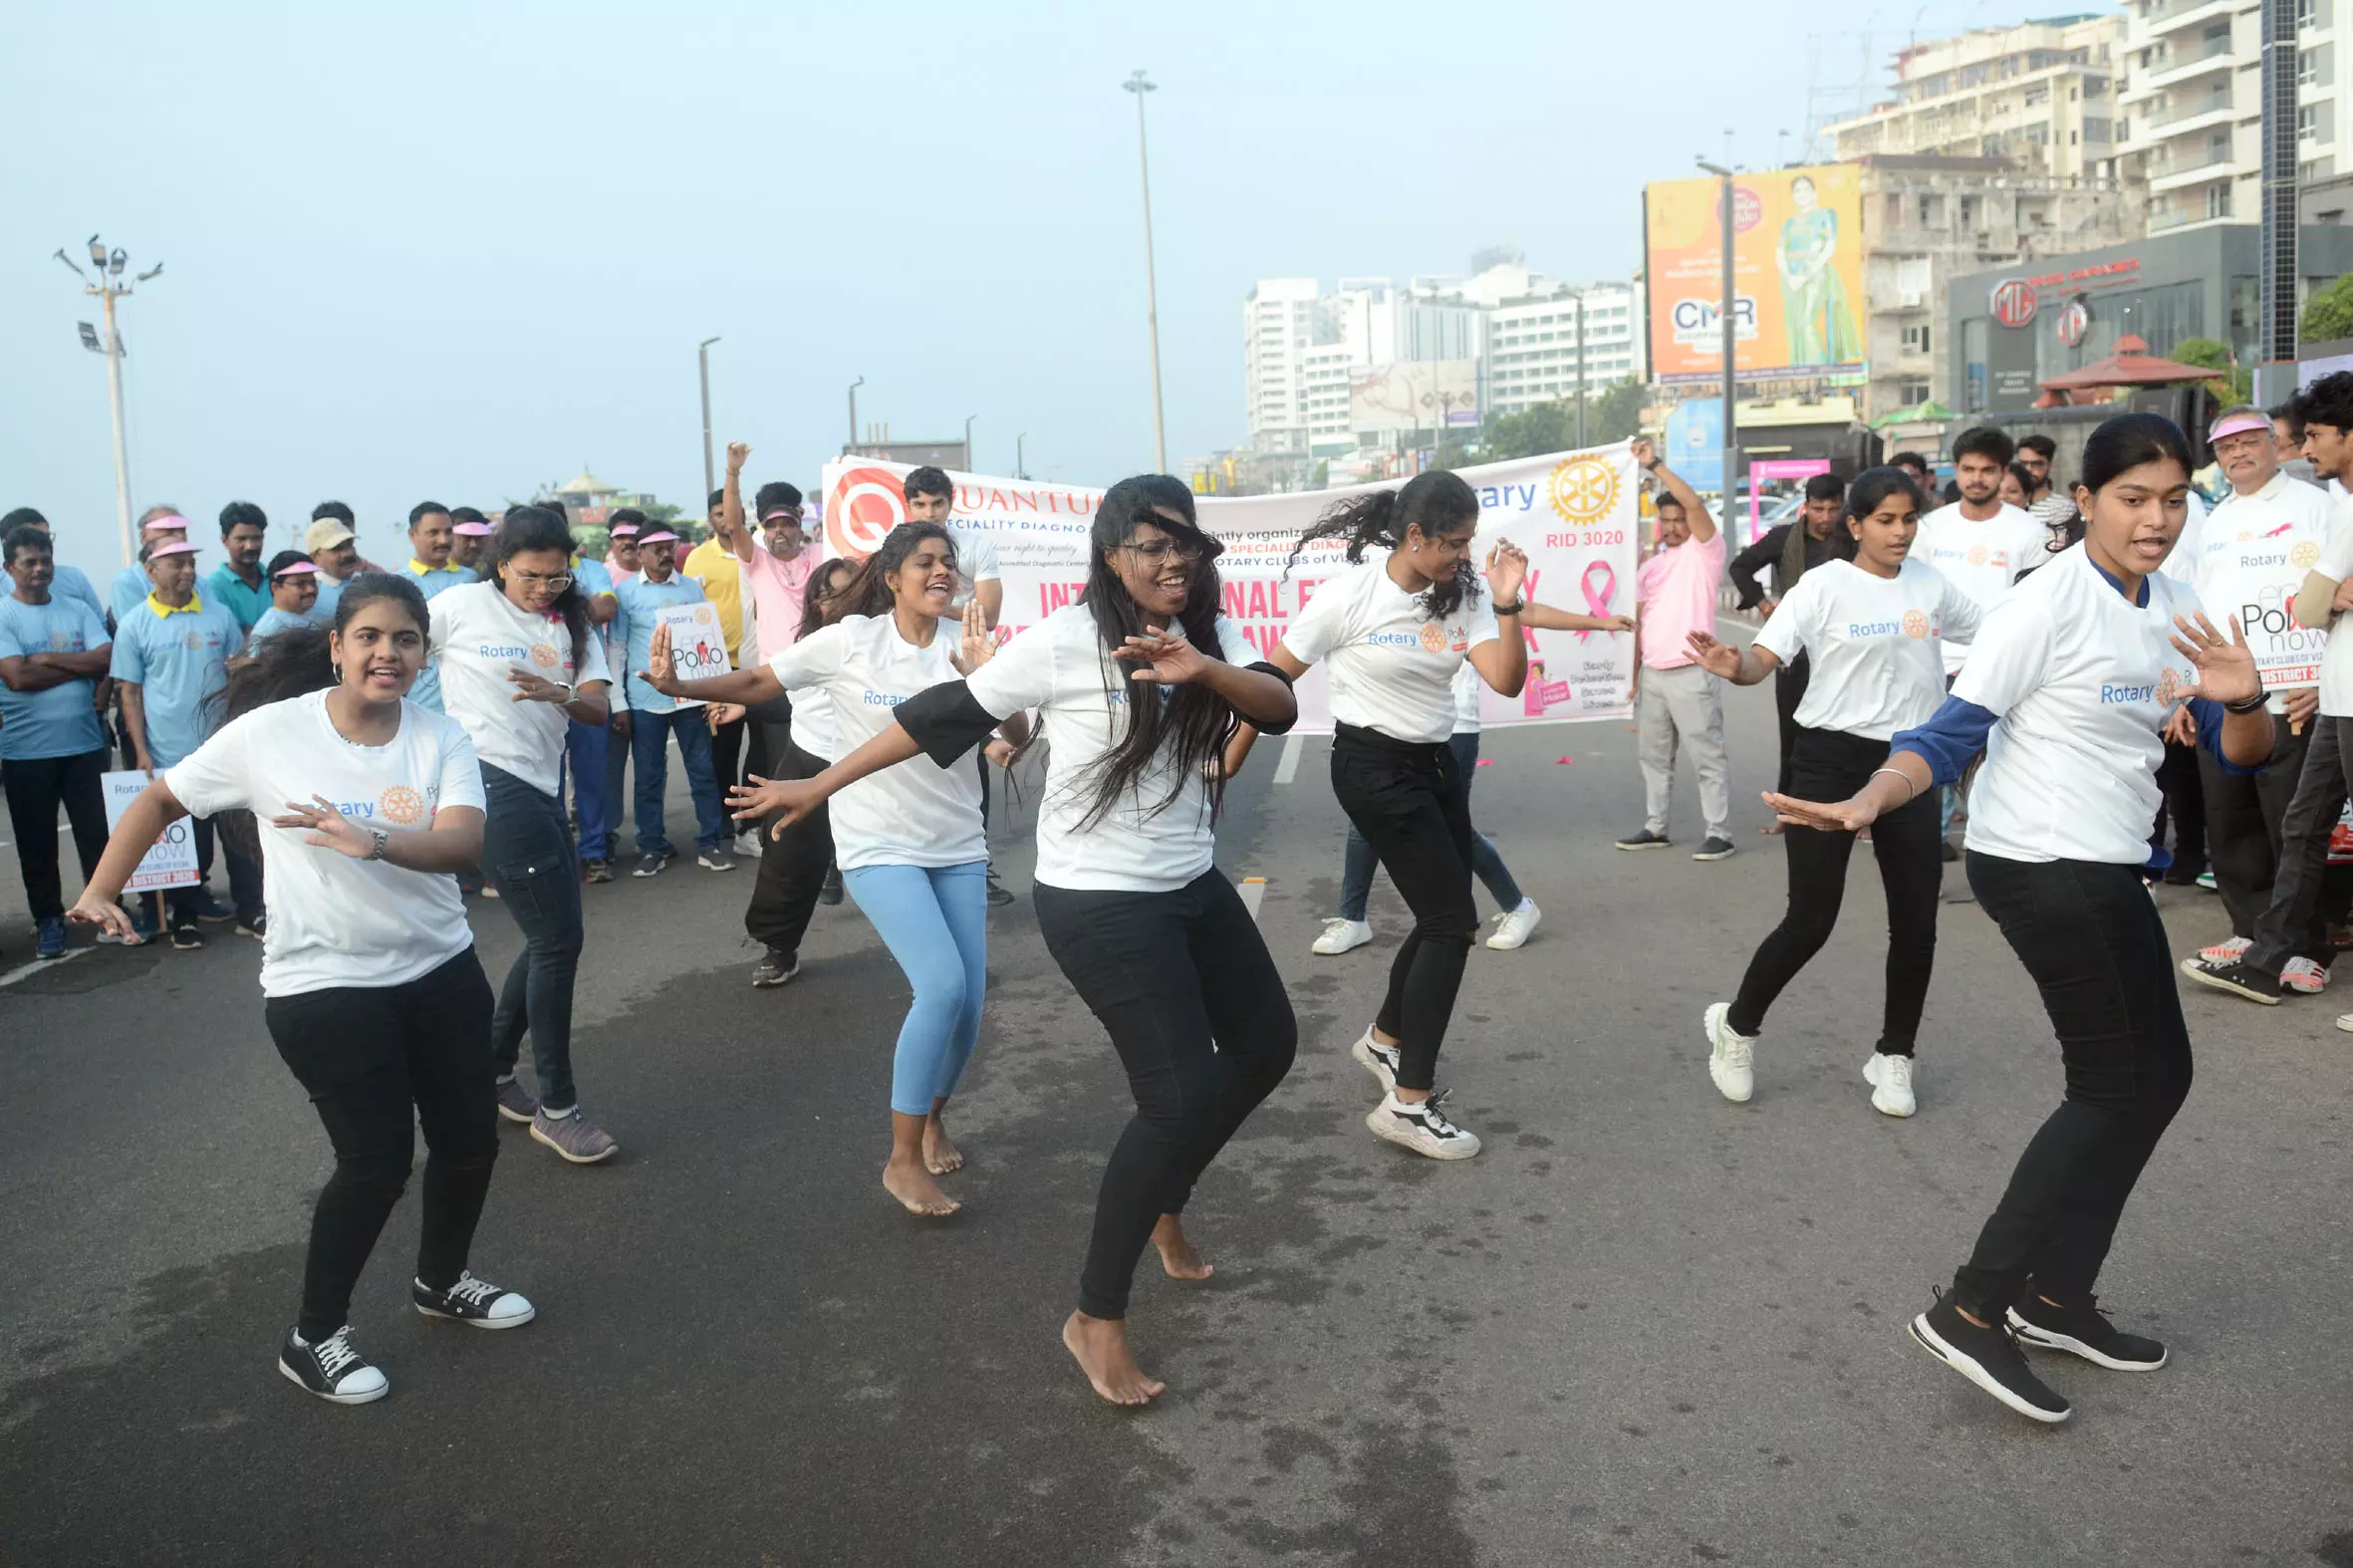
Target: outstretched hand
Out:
[1717,658]
[1168,659]
[329,827]
[976,644]
[1508,569]
[109,917]
[1840,816]
[2225,670]
[661,670]
[788,799]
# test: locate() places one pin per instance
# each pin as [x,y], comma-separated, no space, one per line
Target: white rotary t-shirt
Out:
[1875,645]
[1980,558]
[2079,681]
[336,921]
[2336,659]
[1060,666]
[1392,667]
[858,670]
[479,635]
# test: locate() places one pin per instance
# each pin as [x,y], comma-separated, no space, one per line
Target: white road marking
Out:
[1254,889]
[1286,767]
[24,970]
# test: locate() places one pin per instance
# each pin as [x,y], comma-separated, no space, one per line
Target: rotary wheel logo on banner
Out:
[1584,489]
[865,504]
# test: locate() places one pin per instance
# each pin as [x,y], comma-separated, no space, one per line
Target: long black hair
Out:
[300,659]
[866,594]
[815,600]
[1871,487]
[537,528]
[1194,723]
[1437,504]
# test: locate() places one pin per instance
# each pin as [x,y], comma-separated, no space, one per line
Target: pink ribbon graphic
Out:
[1597,604]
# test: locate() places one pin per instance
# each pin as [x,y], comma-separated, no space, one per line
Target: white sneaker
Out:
[1732,1057]
[2345,1022]
[1375,1058]
[2302,974]
[1343,935]
[2226,951]
[748,843]
[1422,1127]
[1890,1078]
[1515,926]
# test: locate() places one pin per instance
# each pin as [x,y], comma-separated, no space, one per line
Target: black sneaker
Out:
[1989,1357]
[2083,1330]
[185,937]
[596,871]
[255,925]
[474,1302]
[205,904]
[2237,979]
[1714,848]
[654,862]
[715,860]
[777,968]
[830,891]
[1645,840]
[998,894]
[331,1369]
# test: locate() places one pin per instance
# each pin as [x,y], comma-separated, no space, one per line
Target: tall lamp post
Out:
[853,386]
[1139,83]
[108,266]
[968,418]
[703,357]
[1020,467]
[1731,431]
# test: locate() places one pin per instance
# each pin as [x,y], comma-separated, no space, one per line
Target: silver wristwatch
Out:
[382,839]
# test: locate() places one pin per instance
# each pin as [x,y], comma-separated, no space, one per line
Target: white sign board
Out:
[172,863]
[698,647]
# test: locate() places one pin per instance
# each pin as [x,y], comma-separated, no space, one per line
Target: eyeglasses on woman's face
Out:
[1155,551]
[549,582]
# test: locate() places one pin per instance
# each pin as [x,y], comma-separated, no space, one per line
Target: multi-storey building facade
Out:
[2040,95]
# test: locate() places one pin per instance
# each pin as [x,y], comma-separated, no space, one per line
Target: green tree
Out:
[1547,427]
[1617,413]
[2328,314]
[2231,385]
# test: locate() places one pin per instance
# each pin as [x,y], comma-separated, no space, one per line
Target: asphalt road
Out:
[1645,1326]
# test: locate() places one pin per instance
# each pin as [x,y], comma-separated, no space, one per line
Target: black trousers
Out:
[727,755]
[1195,1010]
[1789,690]
[2183,802]
[2245,813]
[792,868]
[1831,765]
[1411,802]
[36,788]
[2091,938]
[368,1054]
[2294,920]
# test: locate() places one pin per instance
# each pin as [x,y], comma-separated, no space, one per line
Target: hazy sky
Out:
[456,251]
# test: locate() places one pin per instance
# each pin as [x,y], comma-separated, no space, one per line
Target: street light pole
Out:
[108,268]
[1580,368]
[968,418]
[853,386]
[1020,465]
[1731,430]
[703,357]
[1140,85]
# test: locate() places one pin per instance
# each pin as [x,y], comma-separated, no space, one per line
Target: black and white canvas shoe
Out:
[473,1301]
[2082,1329]
[332,1369]
[1422,1127]
[1990,1359]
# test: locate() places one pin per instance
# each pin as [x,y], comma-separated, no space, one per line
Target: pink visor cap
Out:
[473,530]
[620,529]
[163,547]
[658,536]
[2238,425]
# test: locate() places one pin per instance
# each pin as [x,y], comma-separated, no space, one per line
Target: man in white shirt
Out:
[2248,560]
[1980,542]
[929,498]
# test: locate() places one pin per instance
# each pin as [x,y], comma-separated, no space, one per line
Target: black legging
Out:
[1789,690]
[1198,1015]
[2092,939]
[792,868]
[367,1055]
[1828,764]
[1409,800]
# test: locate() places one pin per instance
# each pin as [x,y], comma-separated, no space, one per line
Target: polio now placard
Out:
[697,646]
[171,861]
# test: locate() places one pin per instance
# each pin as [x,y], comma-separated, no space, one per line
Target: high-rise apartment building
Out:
[2040,95]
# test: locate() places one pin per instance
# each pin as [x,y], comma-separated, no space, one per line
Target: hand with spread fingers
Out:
[328,829]
[1168,659]
[2226,667]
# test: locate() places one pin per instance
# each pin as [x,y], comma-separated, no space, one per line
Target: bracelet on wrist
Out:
[1513,608]
[2248,704]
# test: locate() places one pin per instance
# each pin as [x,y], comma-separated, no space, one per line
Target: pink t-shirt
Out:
[1677,593]
[777,586]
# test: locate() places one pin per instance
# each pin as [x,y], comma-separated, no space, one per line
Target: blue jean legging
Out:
[934,921]
[1358,864]
[528,856]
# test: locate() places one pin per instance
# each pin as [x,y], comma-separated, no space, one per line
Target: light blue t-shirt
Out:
[434,580]
[59,721]
[70,583]
[245,602]
[641,603]
[274,621]
[180,660]
[130,588]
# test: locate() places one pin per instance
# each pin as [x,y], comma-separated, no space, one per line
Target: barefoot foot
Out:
[1179,1256]
[913,1186]
[939,1155]
[1100,1346]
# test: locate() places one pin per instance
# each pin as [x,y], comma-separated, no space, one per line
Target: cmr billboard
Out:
[1797,272]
